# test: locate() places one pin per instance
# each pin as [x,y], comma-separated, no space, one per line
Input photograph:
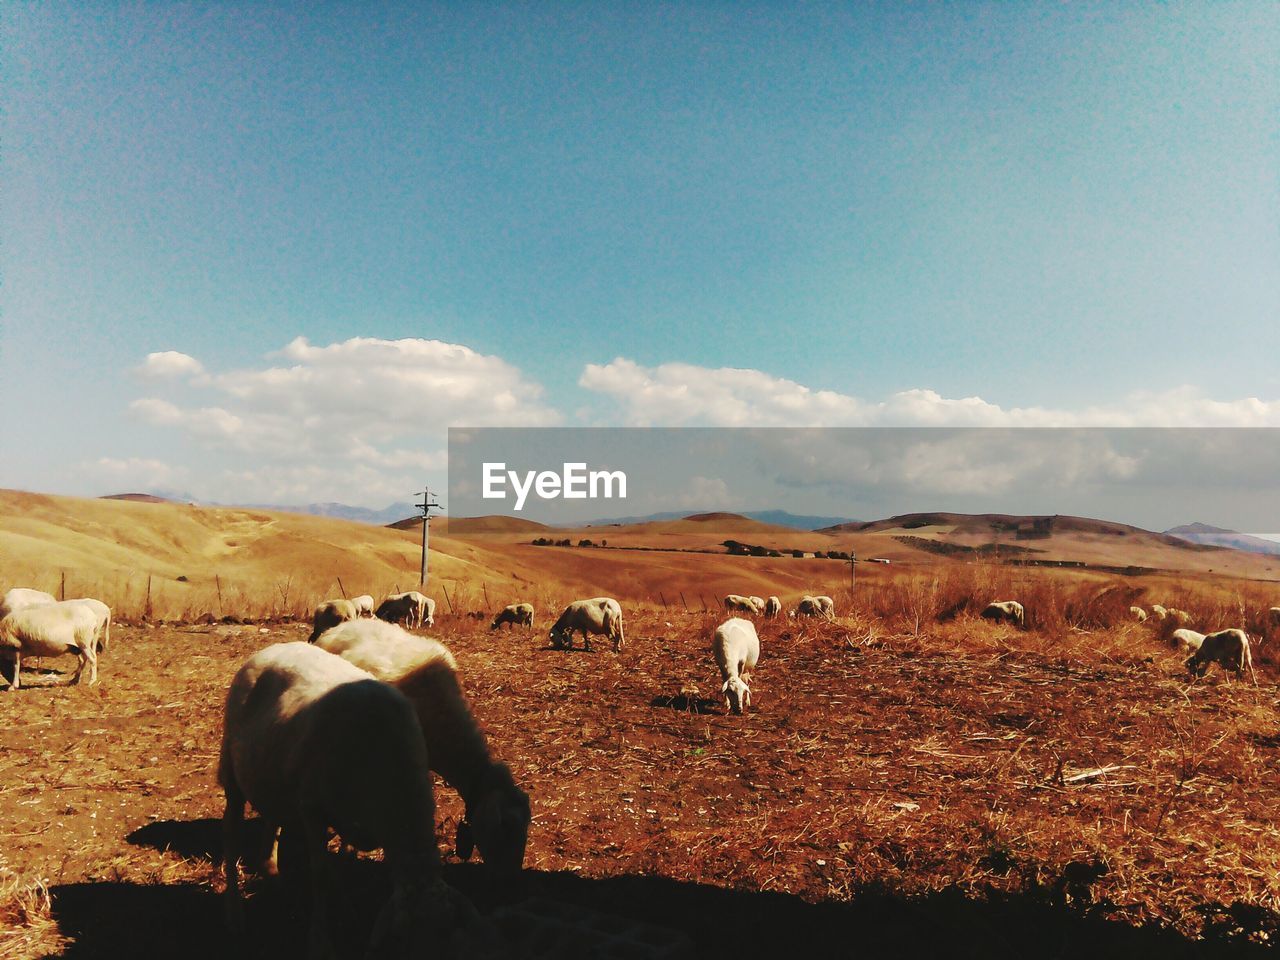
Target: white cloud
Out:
[139,474]
[680,394]
[708,493]
[169,364]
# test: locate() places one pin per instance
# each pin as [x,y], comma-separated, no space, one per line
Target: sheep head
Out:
[737,695]
[497,822]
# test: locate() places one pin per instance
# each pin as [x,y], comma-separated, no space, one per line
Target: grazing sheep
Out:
[772,607]
[516,613]
[412,608]
[20,597]
[497,811]
[1006,611]
[102,613]
[1138,614]
[828,606]
[52,630]
[363,605]
[313,741]
[1159,611]
[1180,615]
[758,603]
[330,614]
[810,607]
[599,615]
[1227,648]
[736,647]
[1188,641]
[743,604]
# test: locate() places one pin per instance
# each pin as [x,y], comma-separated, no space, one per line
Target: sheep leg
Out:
[271,865]
[92,657]
[232,823]
[317,840]
[17,669]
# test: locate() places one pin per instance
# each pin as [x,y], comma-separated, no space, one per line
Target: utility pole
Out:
[425,506]
[852,560]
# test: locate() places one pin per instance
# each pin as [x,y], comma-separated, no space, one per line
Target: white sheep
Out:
[102,614]
[828,606]
[1186,640]
[312,740]
[736,647]
[1180,615]
[810,607]
[758,603]
[1007,611]
[599,615]
[412,608]
[423,669]
[1227,648]
[516,614]
[330,614]
[363,605]
[736,602]
[1159,611]
[772,607]
[52,630]
[20,597]
[1138,614]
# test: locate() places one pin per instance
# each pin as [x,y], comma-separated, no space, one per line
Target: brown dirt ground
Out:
[887,796]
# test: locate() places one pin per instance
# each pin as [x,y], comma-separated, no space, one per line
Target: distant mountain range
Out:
[779,518]
[341,511]
[405,514]
[1219,537]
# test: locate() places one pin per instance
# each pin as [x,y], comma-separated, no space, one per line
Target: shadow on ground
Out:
[136,921]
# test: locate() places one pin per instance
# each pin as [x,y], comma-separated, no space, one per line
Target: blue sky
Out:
[1015,214]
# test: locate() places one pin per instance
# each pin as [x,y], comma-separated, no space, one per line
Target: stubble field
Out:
[967,787]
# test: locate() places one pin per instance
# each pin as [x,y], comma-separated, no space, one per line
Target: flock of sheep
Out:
[343,732]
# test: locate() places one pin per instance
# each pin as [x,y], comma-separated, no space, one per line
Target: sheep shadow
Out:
[111,919]
[685,703]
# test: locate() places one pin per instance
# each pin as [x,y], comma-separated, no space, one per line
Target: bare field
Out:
[960,787]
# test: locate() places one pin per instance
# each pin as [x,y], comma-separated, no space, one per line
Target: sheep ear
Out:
[724,687]
[463,842]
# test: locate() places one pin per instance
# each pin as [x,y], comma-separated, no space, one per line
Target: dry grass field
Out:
[911,780]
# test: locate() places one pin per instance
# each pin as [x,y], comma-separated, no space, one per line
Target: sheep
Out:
[744,604]
[1180,615]
[1159,611]
[1188,641]
[758,603]
[1228,648]
[20,597]
[600,615]
[363,605]
[736,647]
[312,740]
[1009,611]
[1273,617]
[330,614]
[52,630]
[412,608]
[810,607]
[516,613]
[102,614]
[828,606]
[497,811]
[1138,614]
[772,607]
